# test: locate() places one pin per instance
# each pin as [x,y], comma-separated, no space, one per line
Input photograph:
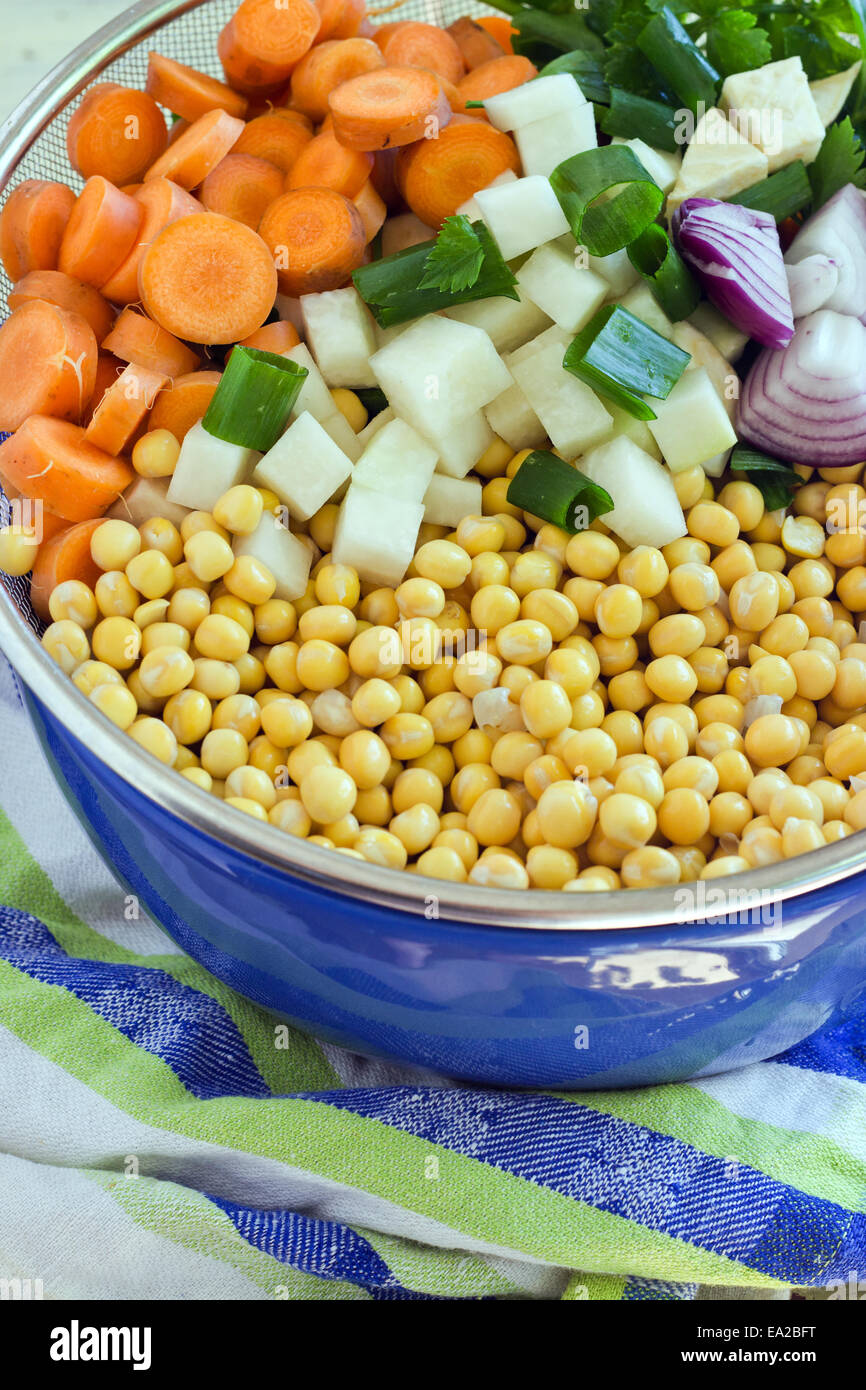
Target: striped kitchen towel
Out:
[162,1138]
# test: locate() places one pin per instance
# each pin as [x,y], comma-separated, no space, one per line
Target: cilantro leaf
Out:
[454,263]
[839,161]
[736,44]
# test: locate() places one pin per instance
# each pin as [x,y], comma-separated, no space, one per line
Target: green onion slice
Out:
[673,286]
[632,117]
[255,397]
[587,69]
[623,358]
[547,486]
[608,225]
[678,60]
[782,194]
[776,482]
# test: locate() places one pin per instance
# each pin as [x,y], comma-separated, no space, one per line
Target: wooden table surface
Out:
[38,33]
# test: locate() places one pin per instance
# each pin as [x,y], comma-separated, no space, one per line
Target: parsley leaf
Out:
[454,263]
[839,161]
[736,44]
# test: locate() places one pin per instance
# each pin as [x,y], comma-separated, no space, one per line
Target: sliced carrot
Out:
[339,19]
[123,407]
[278,336]
[417,45]
[384,31]
[108,369]
[177,130]
[161,202]
[241,187]
[66,555]
[190,159]
[243,71]
[501,29]
[119,134]
[47,364]
[393,106]
[384,179]
[316,237]
[325,163]
[102,230]
[268,39]
[277,136]
[372,209]
[33,516]
[189,93]
[499,75]
[452,94]
[436,176]
[32,224]
[51,460]
[131,188]
[79,115]
[209,279]
[184,401]
[67,293]
[325,67]
[477,45]
[136,338]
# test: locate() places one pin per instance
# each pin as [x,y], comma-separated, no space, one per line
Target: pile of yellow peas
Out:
[662,716]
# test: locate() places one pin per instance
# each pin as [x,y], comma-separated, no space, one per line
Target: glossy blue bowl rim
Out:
[340,875]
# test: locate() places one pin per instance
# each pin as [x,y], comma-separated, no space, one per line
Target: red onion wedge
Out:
[735,254]
[807,403]
[811,283]
[838,231]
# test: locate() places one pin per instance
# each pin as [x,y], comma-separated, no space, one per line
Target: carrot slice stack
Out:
[393,106]
[189,93]
[424,46]
[316,237]
[47,364]
[101,233]
[263,41]
[32,224]
[161,202]
[325,67]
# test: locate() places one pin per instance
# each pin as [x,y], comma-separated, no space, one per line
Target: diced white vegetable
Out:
[637,431]
[774,109]
[830,93]
[533,101]
[641,302]
[304,468]
[724,335]
[384,336]
[288,558]
[314,396]
[645,506]
[448,500]
[692,425]
[471,209]
[545,143]
[208,467]
[460,447]
[339,429]
[339,330]
[397,461]
[399,233]
[507,322]
[439,372]
[566,294]
[373,426]
[376,534]
[572,414]
[523,214]
[513,419]
[662,166]
[724,379]
[718,163]
[145,498]
[551,335]
[617,270]
[715,467]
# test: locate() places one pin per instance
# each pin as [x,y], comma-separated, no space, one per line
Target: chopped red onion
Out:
[811,283]
[838,231]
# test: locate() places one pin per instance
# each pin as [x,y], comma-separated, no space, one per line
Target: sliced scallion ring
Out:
[782,194]
[255,397]
[674,287]
[634,200]
[624,359]
[548,487]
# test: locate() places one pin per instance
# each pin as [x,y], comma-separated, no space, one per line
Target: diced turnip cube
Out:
[384,336]
[547,142]
[145,498]
[288,558]
[662,166]
[569,410]
[339,429]
[507,322]
[523,214]
[398,462]
[513,419]
[373,426]
[471,209]
[304,468]
[448,500]
[617,270]
[399,233]
[533,101]
[646,510]
[552,335]
[703,353]
[637,431]
[376,534]
[641,302]
[566,294]
[439,372]
[207,468]
[692,425]
[314,396]
[461,447]
[729,340]
[339,330]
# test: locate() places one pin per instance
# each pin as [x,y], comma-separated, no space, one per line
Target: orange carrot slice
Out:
[278,336]
[117,133]
[209,279]
[161,202]
[501,29]
[33,516]
[393,106]
[177,130]
[244,72]
[188,93]
[277,136]
[325,163]
[499,75]
[136,338]
[66,555]
[316,237]
[266,40]
[51,460]
[32,224]
[384,31]
[190,159]
[372,209]
[384,179]
[47,364]
[123,407]
[477,45]
[67,293]
[417,45]
[436,176]
[325,67]
[241,187]
[102,230]
[339,19]
[184,401]
[108,369]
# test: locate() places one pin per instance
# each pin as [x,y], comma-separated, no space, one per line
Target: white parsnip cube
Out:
[508,323]
[314,396]
[287,558]
[373,426]
[304,468]
[522,215]
[439,372]
[471,209]
[729,340]
[513,419]
[692,425]
[624,423]
[569,410]
[830,93]
[718,163]
[460,447]
[208,467]
[147,497]
[641,302]
[566,294]
[547,142]
[533,101]
[617,270]
[662,166]
[397,461]
[339,429]
[448,500]
[338,328]
[376,534]
[646,510]
[774,109]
